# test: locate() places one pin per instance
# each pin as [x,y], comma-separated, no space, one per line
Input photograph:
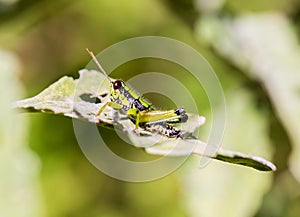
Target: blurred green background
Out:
[253,47]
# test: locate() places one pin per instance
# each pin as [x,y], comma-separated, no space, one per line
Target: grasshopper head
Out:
[117,84]
[115,88]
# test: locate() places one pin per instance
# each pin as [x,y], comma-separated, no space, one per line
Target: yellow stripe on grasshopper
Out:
[153,116]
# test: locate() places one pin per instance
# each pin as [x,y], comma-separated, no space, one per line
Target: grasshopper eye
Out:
[117,84]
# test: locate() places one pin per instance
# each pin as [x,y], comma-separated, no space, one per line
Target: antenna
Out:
[97,63]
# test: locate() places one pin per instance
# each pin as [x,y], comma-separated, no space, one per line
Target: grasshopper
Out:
[142,113]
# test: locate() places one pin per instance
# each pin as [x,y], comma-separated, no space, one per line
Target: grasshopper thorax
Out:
[127,97]
[117,90]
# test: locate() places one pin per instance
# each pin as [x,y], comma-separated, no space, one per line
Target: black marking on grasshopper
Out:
[181,112]
[168,130]
[137,103]
[164,129]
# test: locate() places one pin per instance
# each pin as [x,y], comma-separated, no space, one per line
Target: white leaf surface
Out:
[66,97]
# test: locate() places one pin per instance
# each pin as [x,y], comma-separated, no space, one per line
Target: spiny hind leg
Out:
[161,116]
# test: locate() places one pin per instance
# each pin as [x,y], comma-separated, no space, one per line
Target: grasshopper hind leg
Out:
[168,130]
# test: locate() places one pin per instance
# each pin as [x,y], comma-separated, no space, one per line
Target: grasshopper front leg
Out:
[111,104]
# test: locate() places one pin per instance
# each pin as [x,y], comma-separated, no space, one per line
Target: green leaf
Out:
[74,98]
